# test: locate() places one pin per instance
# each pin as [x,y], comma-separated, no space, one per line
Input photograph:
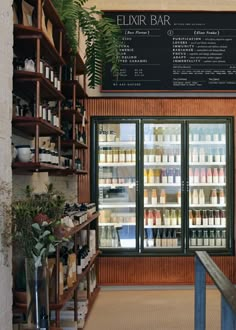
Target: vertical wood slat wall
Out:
[154,270]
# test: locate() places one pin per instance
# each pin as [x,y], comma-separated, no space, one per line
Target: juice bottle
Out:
[163,197]
[145,196]
[154,197]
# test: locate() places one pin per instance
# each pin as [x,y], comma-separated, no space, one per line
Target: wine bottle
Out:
[218,238]
[212,238]
[193,239]
[199,238]
[205,238]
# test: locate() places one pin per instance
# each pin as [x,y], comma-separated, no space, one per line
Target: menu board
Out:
[174,51]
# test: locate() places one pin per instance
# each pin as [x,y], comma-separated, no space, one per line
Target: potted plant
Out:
[36,232]
[102,36]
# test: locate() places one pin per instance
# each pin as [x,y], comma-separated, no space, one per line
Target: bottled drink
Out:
[205,238]
[223,238]
[221,197]
[164,241]
[201,197]
[166,217]
[190,217]
[169,239]
[128,156]
[190,175]
[158,239]
[150,218]
[109,236]
[209,175]
[204,218]
[151,176]
[165,156]
[158,155]
[145,196]
[116,156]
[215,175]
[171,157]
[145,176]
[198,218]
[222,218]
[122,156]
[195,197]
[163,197]
[222,134]
[193,239]
[195,155]
[217,155]
[202,155]
[177,175]
[217,217]
[158,218]
[199,238]
[211,219]
[174,239]
[212,238]
[154,197]
[179,197]
[173,218]
[203,175]
[102,156]
[157,173]
[170,175]
[196,175]
[221,175]
[218,238]
[150,238]
[160,134]
[163,176]
[213,197]
[179,217]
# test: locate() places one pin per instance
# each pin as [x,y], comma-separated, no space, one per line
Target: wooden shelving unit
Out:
[28,125]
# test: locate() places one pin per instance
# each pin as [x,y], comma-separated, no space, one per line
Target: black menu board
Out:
[174,51]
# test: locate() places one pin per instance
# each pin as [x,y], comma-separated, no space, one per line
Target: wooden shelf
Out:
[76,229]
[68,144]
[68,89]
[28,126]
[25,44]
[68,115]
[24,84]
[68,294]
[34,167]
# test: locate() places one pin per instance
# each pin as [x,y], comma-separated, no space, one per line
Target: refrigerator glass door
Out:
[117,185]
[162,186]
[207,186]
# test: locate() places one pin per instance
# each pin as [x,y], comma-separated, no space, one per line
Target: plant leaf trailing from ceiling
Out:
[103,36]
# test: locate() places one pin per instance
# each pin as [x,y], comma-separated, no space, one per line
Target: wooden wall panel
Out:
[154,270]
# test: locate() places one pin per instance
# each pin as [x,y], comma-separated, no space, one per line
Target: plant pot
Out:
[37,294]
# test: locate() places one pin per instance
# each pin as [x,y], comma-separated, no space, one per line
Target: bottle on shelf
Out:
[195,199]
[211,220]
[158,217]
[223,238]
[157,173]
[150,238]
[222,218]
[199,238]
[150,218]
[218,238]
[177,175]
[209,175]
[198,218]
[174,239]
[196,175]
[163,197]
[213,197]
[173,217]
[202,155]
[201,197]
[205,238]
[179,197]
[145,176]
[122,156]
[212,238]
[203,175]
[170,175]
[190,175]
[163,176]
[154,197]
[221,175]
[151,178]
[209,155]
[217,218]
[195,155]
[193,238]
[165,156]
[166,217]
[164,239]
[169,238]
[221,196]
[222,156]
[217,155]
[158,239]
[145,196]
[115,155]
[204,218]
[215,178]
[171,158]
[195,134]
[190,218]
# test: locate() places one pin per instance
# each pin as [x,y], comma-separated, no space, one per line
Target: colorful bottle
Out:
[221,175]
[154,197]
[151,177]
[179,197]
[163,176]
[204,218]
[221,197]
[150,218]
[190,218]
[170,175]
[158,217]
[145,196]
[203,175]
[209,175]
[145,176]
[215,178]
[198,218]
[157,173]
[213,197]
[195,197]
[217,218]
[163,197]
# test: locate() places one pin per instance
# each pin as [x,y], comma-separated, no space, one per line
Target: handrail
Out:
[203,264]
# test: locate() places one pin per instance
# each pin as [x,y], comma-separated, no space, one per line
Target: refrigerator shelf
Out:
[162,143]
[116,206]
[118,224]
[207,143]
[161,164]
[162,226]
[206,227]
[117,144]
[206,247]
[116,164]
[163,205]
[116,185]
[162,184]
[207,184]
[207,163]
[207,205]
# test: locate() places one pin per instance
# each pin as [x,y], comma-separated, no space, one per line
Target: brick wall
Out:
[5,155]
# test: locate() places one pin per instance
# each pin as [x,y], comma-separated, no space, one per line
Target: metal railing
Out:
[204,264]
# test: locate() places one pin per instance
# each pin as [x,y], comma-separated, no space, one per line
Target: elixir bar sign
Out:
[174,51]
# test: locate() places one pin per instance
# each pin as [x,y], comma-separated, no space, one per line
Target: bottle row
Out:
[201,197]
[207,134]
[206,175]
[108,237]
[109,155]
[161,238]
[113,181]
[152,197]
[207,218]
[164,175]
[209,155]
[162,155]
[162,134]
[155,217]
[209,238]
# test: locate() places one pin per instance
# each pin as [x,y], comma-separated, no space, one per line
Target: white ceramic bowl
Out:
[23,153]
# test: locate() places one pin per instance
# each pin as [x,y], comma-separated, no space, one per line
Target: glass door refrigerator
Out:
[163,185]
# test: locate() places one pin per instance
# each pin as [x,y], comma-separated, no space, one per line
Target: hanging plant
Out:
[102,36]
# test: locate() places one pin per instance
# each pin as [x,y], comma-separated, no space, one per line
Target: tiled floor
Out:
[151,308]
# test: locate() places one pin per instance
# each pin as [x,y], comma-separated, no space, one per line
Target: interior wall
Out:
[6,27]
